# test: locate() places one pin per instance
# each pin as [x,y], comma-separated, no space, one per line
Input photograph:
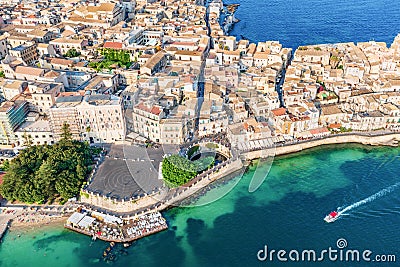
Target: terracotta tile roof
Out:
[41,45]
[65,40]
[79,93]
[67,33]
[154,109]
[61,61]
[52,74]
[113,45]
[279,111]
[261,55]
[183,43]
[335,125]
[319,130]
[29,70]
[154,60]
[103,7]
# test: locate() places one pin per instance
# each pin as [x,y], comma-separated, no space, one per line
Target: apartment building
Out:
[3,46]
[107,14]
[247,131]
[62,45]
[92,118]
[173,130]
[12,115]
[44,95]
[213,118]
[147,119]
[36,131]
[154,64]
[27,53]
[12,88]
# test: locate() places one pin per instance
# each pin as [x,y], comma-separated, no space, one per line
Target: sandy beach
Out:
[30,219]
[38,222]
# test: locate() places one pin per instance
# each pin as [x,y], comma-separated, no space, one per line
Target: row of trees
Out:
[178,170]
[45,172]
[112,57]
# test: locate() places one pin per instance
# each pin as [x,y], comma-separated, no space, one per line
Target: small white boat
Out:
[331,217]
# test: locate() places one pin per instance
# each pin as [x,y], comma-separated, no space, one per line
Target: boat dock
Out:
[6,217]
[4,224]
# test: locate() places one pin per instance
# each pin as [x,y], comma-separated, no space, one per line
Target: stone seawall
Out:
[120,206]
[391,139]
[158,201]
[225,171]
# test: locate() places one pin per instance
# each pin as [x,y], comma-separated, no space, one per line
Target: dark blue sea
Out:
[302,22]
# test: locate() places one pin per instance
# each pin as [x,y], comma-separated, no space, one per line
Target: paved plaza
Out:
[128,171]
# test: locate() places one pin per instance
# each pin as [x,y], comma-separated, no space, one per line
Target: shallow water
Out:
[285,213]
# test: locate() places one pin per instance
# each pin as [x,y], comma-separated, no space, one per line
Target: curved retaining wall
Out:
[163,199]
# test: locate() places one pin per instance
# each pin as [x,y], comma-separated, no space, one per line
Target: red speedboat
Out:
[331,217]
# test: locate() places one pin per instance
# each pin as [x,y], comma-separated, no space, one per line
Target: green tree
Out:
[72,53]
[42,173]
[27,139]
[66,134]
[5,165]
[178,170]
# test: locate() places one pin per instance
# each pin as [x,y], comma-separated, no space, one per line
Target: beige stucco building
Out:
[93,118]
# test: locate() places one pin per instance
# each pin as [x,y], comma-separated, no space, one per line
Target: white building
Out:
[93,118]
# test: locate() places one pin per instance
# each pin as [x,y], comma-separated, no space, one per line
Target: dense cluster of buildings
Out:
[187,78]
[353,86]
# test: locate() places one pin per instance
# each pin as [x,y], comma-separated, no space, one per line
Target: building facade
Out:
[12,115]
[92,118]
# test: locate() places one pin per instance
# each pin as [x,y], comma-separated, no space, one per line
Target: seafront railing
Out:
[313,139]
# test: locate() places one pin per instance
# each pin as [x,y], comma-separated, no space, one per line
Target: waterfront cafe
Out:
[80,220]
[75,218]
[320,132]
[86,222]
[304,135]
[106,218]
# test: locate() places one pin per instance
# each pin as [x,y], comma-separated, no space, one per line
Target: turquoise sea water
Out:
[285,213]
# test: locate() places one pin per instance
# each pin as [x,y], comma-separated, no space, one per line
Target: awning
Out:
[86,221]
[76,217]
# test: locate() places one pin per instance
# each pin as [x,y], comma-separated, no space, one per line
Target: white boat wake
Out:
[379,194]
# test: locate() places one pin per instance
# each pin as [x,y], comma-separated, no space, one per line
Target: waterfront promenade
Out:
[376,138]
